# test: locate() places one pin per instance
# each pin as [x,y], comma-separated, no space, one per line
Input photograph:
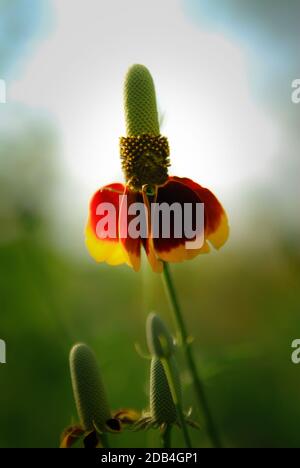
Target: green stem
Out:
[177,401]
[184,341]
[166,437]
[104,440]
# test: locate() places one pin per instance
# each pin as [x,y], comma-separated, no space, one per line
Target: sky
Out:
[268,31]
[203,90]
[223,92]
[22,23]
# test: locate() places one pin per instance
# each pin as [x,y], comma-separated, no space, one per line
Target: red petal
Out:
[174,249]
[108,194]
[103,246]
[216,221]
[155,263]
[131,245]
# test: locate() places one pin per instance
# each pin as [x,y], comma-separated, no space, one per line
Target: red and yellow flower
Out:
[145,161]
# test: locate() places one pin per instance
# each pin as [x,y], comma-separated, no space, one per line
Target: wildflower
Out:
[145,161]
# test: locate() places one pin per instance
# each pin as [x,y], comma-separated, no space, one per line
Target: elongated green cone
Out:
[144,152]
[159,339]
[89,393]
[162,407]
[140,102]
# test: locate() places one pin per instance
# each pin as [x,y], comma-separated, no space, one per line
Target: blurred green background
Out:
[242,304]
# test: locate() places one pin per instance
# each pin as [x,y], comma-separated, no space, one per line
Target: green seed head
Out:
[144,152]
[89,393]
[140,102]
[162,407]
[160,341]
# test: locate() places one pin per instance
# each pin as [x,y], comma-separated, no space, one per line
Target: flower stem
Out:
[166,437]
[104,441]
[184,341]
[177,401]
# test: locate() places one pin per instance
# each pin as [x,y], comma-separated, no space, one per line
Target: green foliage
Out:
[244,331]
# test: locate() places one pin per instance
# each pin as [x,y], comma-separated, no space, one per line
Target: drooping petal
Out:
[127,416]
[216,221]
[181,192]
[102,230]
[91,440]
[148,244]
[131,245]
[70,436]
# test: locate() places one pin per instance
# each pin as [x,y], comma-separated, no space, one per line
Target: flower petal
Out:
[103,244]
[131,246]
[127,416]
[70,436]
[174,249]
[216,221]
[155,263]
[91,440]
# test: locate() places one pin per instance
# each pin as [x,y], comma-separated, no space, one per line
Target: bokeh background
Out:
[223,71]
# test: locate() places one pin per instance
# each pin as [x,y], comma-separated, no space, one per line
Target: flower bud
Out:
[160,341]
[89,393]
[162,408]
